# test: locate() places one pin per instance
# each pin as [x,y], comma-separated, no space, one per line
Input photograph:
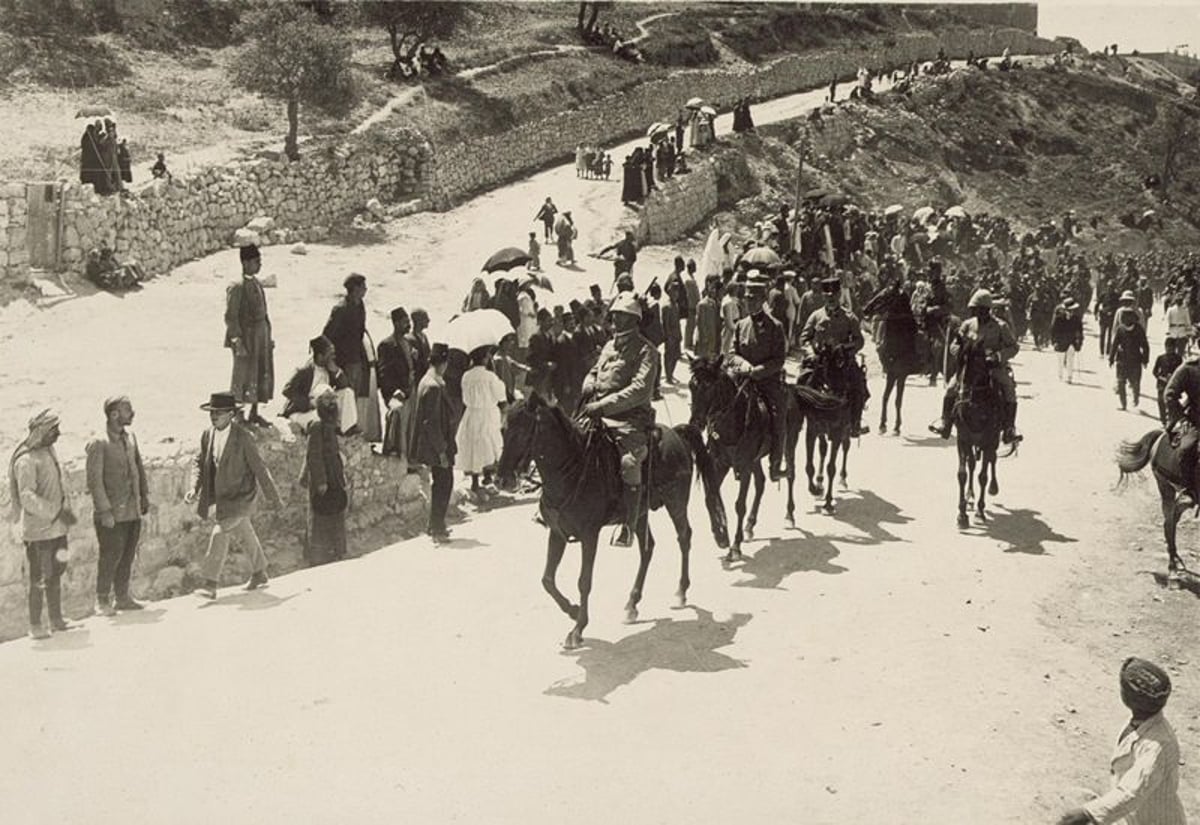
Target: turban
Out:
[249,252]
[113,402]
[1144,686]
[43,420]
[355,279]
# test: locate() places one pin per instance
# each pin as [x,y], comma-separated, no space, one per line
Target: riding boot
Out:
[943,426]
[630,503]
[1010,434]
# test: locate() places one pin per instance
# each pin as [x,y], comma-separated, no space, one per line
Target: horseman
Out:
[995,339]
[758,353]
[1183,418]
[833,337]
[619,389]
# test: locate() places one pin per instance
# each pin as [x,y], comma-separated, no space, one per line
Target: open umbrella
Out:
[923,214]
[657,128]
[694,103]
[956,212]
[506,259]
[94,111]
[480,328]
[708,110]
[762,256]
[894,209]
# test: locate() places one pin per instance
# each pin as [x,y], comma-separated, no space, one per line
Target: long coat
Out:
[435,430]
[247,319]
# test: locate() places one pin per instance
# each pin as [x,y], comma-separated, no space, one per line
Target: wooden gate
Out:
[41,227]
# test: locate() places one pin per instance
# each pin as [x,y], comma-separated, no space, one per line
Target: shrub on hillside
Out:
[678,41]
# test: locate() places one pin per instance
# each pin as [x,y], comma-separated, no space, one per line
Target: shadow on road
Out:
[148,616]
[75,639]
[927,441]
[254,600]
[868,513]
[781,558]
[1187,582]
[688,646]
[1021,530]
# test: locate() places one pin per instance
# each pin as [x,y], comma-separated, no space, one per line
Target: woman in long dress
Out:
[479,439]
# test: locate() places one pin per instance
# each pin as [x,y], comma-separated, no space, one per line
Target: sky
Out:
[1148,26]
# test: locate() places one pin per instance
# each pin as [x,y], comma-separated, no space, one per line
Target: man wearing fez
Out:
[395,378]
[434,439]
[309,382]
[345,329]
[248,334]
[116,479]
[229,473]
[39,499]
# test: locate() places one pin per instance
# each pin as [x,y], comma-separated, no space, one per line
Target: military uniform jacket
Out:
[759,341]
[993,335]
[825,329]
[1185,381]
[622,380]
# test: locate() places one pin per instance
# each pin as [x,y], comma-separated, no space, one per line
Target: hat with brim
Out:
[757,280]
[1128,295]
[627,303]
[221,402]
[1070,304]
[831,284]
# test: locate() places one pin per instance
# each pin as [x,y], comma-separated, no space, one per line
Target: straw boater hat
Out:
[221,402]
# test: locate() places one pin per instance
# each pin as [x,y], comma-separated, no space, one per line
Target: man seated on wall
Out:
[320,375]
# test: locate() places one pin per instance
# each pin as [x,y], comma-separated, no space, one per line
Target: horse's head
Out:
[705,387]
[520,429]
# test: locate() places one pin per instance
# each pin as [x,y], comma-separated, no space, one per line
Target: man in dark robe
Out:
[395,379]
[248,334]
[345,329]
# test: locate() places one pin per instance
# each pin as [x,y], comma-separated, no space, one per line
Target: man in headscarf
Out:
[1145,763]
[40,501]
[248,334]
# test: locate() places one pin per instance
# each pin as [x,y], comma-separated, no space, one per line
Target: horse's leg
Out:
[845,449]
[760,480]
[792,441]
[586,565]
[832,470]
[645,553]
[1172,510]
[883,405]
[980,507]
[963,521]
[994,484]
[899,400]
[554,554]
[735,549]
[823,443]
[677,510]
[810,438]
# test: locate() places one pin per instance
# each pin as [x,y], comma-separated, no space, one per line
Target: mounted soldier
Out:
[758,353]
[831,340]
[619,389]
[995,339]
[1183,416]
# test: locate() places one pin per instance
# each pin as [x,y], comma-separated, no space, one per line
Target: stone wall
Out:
[719,177]
[468,167]
[386,504]
[173,221]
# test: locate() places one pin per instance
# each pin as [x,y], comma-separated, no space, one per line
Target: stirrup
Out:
[623,537]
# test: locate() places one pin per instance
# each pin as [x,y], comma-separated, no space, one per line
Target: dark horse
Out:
[581,493]
[828,426]
[740,436]
[977,424]
[897,346]
[1155,449]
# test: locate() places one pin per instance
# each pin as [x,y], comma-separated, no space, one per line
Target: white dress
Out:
[479,438]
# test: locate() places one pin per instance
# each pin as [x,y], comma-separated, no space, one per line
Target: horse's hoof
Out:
[573,641]
[963,521]
[897,430]
[749,532]
[828,509]
[843,483]
[993,489]
[814,490]
[790,521]
[631,615]
[680,601]
[981,517]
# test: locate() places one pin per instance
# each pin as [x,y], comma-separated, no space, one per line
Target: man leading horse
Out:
[990,334]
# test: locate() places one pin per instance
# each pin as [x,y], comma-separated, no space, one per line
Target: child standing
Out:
[535,253]
[1164,367]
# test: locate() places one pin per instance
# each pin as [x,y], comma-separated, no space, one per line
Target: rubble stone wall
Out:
[173,221]
[464,168]
[675,207]
[386,504]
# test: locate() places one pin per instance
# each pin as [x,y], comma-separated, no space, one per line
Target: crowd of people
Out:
[592,162]
[104,158]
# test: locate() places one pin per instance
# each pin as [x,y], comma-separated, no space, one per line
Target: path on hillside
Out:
[875,666]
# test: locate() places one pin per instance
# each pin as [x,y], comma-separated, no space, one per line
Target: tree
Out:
[411,24]
[291,56]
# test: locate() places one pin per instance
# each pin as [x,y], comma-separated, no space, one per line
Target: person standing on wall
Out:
[116,479]
[248,334]
[433,441]
[229,473]
[345,329]
[40,500]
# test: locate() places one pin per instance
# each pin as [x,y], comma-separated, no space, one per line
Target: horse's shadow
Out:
[689,646]
[867,513]
[781,558]
[927,441]
[1188,582]
[1022,531]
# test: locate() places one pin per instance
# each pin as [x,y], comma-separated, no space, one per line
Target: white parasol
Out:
[894,209]
[479,328]
[923,214]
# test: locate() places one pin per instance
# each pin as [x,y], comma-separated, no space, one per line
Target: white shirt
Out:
[219,437]
[1145,779]
[1179,321]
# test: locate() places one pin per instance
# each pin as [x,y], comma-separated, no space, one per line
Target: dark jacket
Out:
[345,329]
[298,389]
[233,488]
[394,372]
[419,345]
[117,478]
[322,460]
[1066,330]
[1130,350]
[434,430]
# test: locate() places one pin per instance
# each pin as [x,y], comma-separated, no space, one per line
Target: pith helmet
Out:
[981,298]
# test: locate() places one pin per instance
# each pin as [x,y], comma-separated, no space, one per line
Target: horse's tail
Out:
[814,399]
[690,435]
[1133,456]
